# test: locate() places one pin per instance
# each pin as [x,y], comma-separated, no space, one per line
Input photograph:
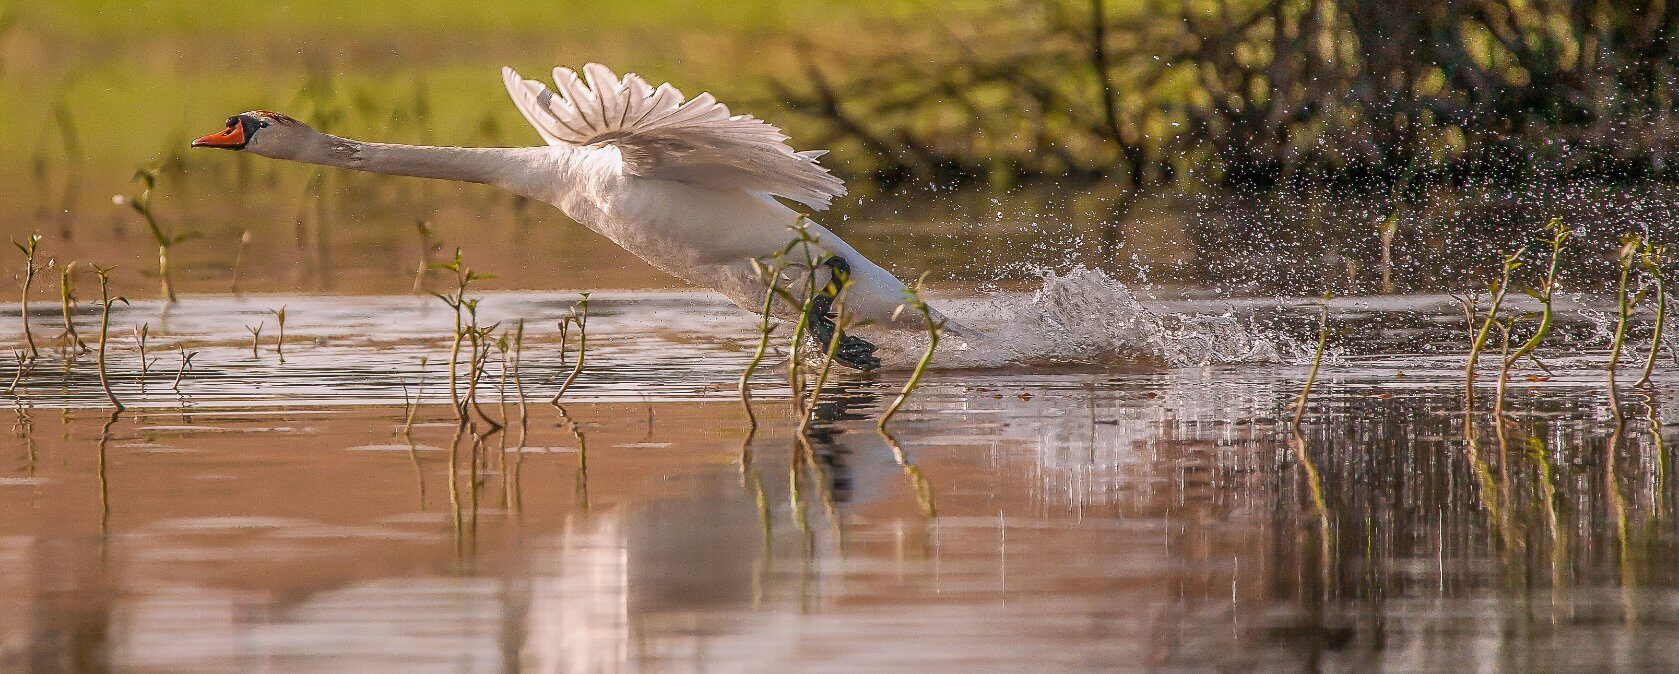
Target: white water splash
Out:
[1081,317]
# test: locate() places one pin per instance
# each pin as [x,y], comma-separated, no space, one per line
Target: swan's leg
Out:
[854,352]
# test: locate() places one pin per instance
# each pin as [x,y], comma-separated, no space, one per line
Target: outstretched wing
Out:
[661,135]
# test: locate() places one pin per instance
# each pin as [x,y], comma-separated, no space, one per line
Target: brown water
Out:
[1059,517]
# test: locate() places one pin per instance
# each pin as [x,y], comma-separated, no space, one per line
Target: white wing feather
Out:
[662,135]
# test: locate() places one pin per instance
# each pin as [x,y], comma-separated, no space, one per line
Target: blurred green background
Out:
[91,91]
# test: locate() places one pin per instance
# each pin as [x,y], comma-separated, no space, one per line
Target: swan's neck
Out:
[529,171]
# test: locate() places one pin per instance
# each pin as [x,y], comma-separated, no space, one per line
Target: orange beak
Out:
[233,137]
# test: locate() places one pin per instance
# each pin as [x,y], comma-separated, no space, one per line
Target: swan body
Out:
[681,183]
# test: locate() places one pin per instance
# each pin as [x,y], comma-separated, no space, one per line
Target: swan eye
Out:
[263,125]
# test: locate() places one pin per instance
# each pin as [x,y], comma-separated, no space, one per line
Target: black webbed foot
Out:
[853,352]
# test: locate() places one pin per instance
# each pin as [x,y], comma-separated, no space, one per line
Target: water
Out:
[1056,514]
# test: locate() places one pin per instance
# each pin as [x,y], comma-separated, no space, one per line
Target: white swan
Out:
[682,184]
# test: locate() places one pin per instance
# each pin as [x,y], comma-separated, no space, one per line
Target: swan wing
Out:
[660,134]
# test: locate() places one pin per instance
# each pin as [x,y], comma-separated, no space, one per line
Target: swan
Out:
[683,184]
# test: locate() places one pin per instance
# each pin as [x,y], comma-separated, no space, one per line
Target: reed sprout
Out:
[478,357]
[280,340]
[1626,259]
[935,327]
[1500,288]
[256,337]
[579,317]
[1546,291]
[141,332]
[67,301]
[239,261]
[186,364]
[105,302]
[456,301]
[805,241]
[1317,361]
[29,247]
[842,321]
[1654,260]
[770,274]
[419,391]
[428,243]
[24,364]
[1505,327]
[517,363]
[1389,228]
[165,238]
[504,346]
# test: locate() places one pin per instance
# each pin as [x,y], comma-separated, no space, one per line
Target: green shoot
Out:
[1500,288]
[28,247]
[579,317]
[802,239]
[1654,261]
[1389,228]
[280,341]
[1505,327]
[256,337]
[239,261]
[428,243]
[419,391]
[186,364]
[142,204]
[24,365]
[1546,291]
[770,274]
[67,301]
[141,331]
[518,357]
[464,276]
[105,302]
[478,341]
[1626,259]
[1317,361]
[913,300]
[841,322]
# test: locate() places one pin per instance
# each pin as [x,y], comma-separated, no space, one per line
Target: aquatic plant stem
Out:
[1500,288]
[1628,255]
[912,298]
[518,363]
[24,364]
[579,317]
[1654,261]
[105,302]
[795,381]
[1505,362]
[1317,361]
[771,276]
[419,391]
[140,333]
[28,247]
[1559,236]
[142,204]
[256,338]
[67,302]
[841,322]
[186,364]
[280,340]
[239,261]
[464,276]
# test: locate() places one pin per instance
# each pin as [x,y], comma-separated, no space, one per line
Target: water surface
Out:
[1051,516]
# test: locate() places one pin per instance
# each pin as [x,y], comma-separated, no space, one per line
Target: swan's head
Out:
[260,131]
